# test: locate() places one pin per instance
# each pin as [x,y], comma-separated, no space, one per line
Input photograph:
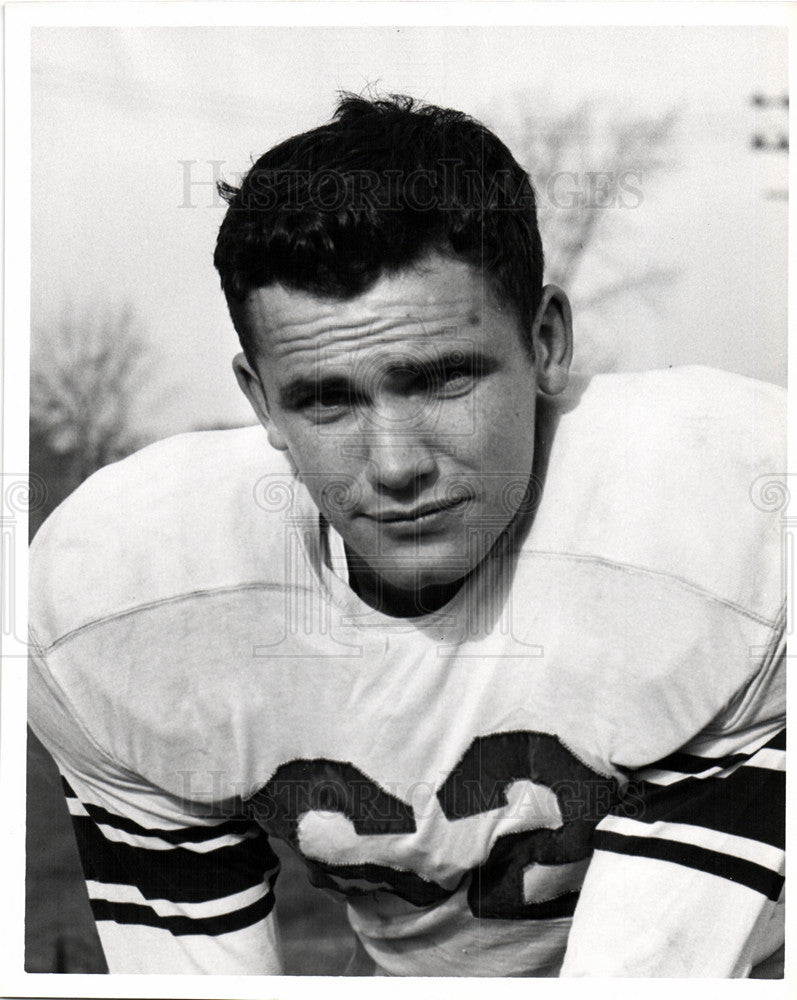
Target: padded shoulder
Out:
[192,512]
[665,471]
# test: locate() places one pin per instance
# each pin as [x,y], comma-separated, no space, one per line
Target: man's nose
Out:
[398,461]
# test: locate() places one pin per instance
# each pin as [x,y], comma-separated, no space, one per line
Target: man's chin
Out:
[419,577]
[409,569]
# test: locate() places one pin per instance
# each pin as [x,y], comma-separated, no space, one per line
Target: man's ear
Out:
[252,388]
[552,336]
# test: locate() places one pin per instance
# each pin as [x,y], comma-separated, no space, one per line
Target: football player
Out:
[497,653]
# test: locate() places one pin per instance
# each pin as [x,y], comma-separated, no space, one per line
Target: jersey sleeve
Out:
[174,886]
[687,878]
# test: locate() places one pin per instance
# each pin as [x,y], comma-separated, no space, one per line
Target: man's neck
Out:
[393,601]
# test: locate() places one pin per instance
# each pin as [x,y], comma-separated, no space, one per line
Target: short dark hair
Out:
[386,182]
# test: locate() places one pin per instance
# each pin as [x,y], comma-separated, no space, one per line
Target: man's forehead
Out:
[409,308]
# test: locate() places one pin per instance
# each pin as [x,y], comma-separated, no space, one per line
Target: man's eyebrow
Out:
[475,359]
[454,355]
[303,387]
[463,355]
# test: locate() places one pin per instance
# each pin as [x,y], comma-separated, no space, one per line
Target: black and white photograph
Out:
[396,519]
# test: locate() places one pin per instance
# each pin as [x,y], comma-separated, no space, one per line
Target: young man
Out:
[501,662]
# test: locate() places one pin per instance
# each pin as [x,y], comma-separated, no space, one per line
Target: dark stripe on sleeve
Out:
[176,874]
[135,913]
[688,763]
[778,742]
[748,803]
[182,835]
[755,877]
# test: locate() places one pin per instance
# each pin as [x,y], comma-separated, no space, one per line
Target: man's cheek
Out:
[338,493]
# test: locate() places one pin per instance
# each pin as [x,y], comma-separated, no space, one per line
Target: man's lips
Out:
[419,513]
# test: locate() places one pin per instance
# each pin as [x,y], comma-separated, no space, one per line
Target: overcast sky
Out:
[117,112]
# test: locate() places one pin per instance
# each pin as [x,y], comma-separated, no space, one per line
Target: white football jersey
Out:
[574,767]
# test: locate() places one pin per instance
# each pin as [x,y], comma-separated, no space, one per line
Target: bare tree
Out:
[585,162]
[86,374]
[90,389]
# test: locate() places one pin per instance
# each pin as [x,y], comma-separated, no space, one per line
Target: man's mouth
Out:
[419,514]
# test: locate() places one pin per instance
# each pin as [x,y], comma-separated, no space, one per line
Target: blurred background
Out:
[659,156]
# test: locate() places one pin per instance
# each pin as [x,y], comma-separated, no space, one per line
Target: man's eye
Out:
[332,398]
[456,380]
[327,403]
